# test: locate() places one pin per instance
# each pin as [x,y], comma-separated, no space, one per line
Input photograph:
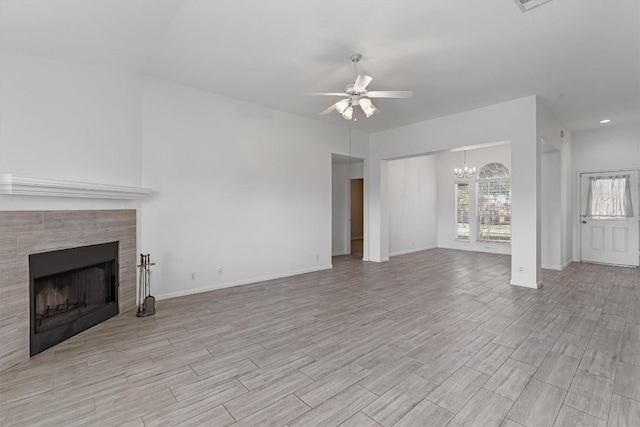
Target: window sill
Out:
[481,242]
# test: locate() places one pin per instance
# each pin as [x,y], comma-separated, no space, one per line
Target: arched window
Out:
[494,171]
[494,203]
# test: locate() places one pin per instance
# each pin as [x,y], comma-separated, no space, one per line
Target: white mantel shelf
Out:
[32,186]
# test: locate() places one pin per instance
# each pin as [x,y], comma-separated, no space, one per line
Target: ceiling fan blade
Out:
[339,106]
[328,110]
[327,94]
[390,94]
[361,83]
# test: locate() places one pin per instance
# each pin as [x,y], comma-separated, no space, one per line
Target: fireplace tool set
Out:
[146,303]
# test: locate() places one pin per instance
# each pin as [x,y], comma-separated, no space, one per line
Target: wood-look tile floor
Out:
[428,339]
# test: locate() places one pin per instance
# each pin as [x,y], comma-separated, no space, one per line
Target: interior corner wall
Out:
[412,185]
[609,147]
[551,219]
[447,198]
[69,121]
[242,193]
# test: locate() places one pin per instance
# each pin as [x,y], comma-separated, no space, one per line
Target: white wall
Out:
[69,121]
[236,186]
[341,176]
[447,198]
[412,185]
[551,220]
[513,121]
[339,209]
[609,147]
[568,190]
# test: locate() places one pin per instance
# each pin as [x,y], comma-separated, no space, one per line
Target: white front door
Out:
[608,236]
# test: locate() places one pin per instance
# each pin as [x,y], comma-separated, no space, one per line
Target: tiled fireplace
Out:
[25,233]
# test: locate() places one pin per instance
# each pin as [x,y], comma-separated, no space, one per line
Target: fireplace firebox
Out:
[71,290]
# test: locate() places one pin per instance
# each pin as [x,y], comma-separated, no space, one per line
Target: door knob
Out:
[584,222]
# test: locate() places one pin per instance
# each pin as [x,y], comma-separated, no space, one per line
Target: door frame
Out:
[578,229]
[348,237]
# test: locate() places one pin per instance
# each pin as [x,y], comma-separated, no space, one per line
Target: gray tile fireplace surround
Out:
[27,232]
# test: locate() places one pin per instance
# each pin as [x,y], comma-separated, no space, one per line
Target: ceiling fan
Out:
[356,94]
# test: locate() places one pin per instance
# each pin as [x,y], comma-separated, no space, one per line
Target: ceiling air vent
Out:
[526,5]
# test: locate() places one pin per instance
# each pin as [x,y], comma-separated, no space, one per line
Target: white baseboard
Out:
[485,248]
[241,282]
[556,267]
[409,251]
[527,284]
[340,253]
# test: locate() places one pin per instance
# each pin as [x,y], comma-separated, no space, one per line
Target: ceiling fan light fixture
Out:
[367,107]
[348,112]
[342,105]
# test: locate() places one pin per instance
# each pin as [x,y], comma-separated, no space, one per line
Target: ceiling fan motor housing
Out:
[348,89]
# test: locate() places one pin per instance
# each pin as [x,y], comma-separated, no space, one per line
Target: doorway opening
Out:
[347,206]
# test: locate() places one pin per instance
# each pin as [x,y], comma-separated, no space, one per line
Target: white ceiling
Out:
[582,57]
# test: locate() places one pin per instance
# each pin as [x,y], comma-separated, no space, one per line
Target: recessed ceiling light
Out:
[605,121]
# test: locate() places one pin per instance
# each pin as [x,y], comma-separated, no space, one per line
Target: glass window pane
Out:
[462,210]
[494,210]
[609,197]
[494,171]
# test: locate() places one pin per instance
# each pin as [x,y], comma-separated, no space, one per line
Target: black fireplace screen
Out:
[71,290]
[62,297]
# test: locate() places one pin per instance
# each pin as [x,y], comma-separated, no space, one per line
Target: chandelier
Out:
[465,172]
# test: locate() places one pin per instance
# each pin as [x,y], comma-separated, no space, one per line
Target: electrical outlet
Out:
[521,269]
[193,276]
[317,257]
[219,270]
